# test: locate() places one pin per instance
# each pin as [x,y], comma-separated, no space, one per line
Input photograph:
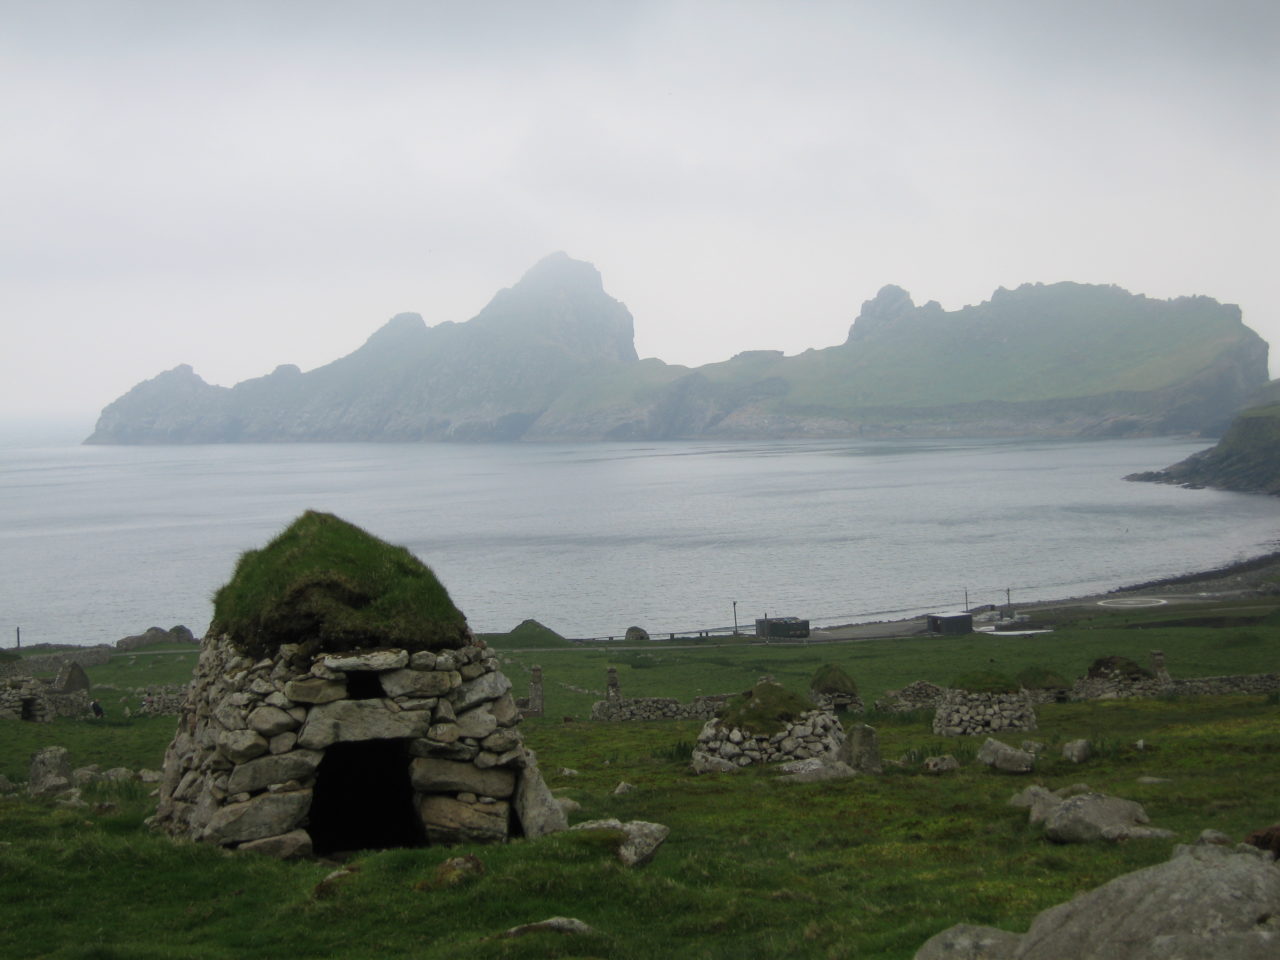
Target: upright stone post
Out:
[535,693]
[1158,667]
[611,690]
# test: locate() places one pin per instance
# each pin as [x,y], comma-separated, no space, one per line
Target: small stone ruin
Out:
[315,734]
[773,736]
[41,700]
[920,695]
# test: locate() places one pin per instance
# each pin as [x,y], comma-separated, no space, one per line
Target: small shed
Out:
[782,627]
[950,623]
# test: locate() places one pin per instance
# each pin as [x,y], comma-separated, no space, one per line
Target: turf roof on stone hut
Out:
[333,587]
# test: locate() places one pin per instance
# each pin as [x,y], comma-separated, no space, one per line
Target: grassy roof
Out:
[766,708]
[830,678]
[328,584]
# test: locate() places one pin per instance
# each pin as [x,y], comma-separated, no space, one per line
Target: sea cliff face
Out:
[1246,459]
[553,358]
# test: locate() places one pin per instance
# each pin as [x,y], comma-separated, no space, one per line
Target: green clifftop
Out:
[1247,458]
[552,358]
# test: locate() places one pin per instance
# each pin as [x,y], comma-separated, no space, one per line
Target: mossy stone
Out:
[332,587]
[766,708]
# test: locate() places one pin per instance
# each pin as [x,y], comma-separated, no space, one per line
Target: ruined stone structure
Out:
[816,734]
[40,701]
[155,635]
[616,707]
[371,749]
[837,702]
[920,695]
[961,713]
[289,748]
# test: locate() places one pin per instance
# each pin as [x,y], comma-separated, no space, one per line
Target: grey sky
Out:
[236,185]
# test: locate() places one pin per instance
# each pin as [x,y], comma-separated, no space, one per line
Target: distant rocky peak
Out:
[399,329]
[559,270]
[890,304]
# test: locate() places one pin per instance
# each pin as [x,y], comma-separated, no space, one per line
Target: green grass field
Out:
[868,867]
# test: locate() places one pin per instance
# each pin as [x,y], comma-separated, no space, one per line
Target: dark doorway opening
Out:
[363,799]
[362,685]
[28,708]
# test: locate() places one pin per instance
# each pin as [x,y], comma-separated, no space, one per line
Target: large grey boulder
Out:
[1096,816]
[50,772]
[1038,800]
[266,815]
[254,775]
[1206,903]
[344,721]
[537,810]
[1001,756]
[640,839]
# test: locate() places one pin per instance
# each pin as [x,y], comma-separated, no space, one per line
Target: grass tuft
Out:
[328,584]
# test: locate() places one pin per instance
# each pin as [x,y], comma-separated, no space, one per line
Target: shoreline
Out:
[1240,577]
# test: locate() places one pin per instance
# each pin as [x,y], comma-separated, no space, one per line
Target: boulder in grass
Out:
[1088,817]
[639,839]
[1003,757]
[1208,902]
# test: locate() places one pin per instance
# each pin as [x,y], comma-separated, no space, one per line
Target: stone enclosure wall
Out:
[615,707]
[962,713]
[1102,688]
[52,662]
[267,753]
[816,734]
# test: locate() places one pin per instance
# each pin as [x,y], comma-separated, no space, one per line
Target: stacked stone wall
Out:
[962,713]
[658,708]
[52,662]
[166,701]
[242,768]
[816,734]
[1108,688]
[920,695]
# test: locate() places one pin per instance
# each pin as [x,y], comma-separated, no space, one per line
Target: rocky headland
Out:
[1246,459]
[553,358]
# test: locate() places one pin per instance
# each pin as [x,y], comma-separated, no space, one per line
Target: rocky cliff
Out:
[552,358]
[1247,458]
[486,379]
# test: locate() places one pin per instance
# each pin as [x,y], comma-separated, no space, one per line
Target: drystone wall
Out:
[816,734]
[269,755]
[920,695]
[616,707]
[962,713]
[838,702]
[52,662]
[166,701]
[1106,688]
[658,708]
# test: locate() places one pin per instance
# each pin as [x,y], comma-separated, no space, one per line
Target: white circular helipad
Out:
[1134,602]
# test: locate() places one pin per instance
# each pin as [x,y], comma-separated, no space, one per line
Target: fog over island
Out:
[240,185]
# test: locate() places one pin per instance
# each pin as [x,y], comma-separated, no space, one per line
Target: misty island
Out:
[553,358]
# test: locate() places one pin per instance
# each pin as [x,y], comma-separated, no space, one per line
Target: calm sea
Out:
[100,542]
